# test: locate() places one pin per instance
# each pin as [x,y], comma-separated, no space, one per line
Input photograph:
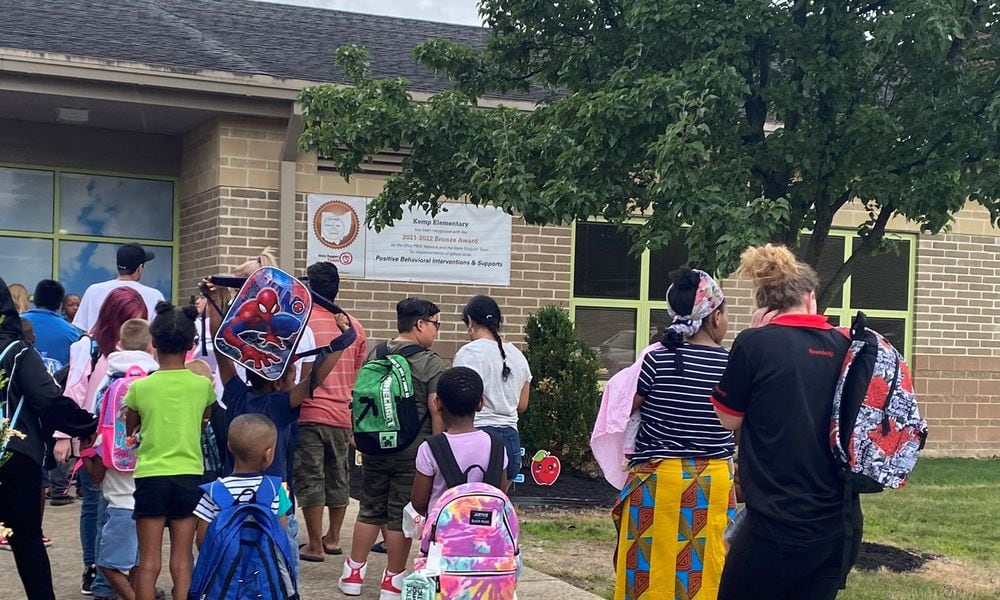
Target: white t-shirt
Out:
[93,298]
[501,397]
[118,487]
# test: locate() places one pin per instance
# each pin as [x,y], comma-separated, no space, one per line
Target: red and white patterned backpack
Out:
[876,432]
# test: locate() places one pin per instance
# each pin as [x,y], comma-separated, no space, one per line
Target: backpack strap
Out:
[219,494]
[494,469]
[267,491]
[382,350]
[10,383]
[445,458]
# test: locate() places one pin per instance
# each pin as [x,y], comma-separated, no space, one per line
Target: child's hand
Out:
[342,321]
[763,316]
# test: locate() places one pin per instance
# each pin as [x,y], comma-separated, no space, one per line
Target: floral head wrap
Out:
[707,299]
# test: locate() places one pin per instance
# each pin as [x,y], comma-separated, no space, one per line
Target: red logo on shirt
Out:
[826,353]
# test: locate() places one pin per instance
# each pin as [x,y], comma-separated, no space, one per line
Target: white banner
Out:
[465,244]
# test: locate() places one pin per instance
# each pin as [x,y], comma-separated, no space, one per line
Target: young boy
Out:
[279,401]
[117,545]
[252,442]
[460,396]
[387,480]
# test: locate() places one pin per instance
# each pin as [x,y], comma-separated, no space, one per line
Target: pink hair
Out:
[122,304]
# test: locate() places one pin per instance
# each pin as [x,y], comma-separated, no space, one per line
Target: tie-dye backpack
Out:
[474,530]
[876,431]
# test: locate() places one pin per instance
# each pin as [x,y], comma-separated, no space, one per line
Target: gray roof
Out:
[238,36]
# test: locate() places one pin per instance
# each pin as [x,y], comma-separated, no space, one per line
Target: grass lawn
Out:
[951,509]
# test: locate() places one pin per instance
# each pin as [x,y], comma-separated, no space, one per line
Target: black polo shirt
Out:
[781,379]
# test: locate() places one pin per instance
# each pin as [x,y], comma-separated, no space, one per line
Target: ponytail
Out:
[505,372]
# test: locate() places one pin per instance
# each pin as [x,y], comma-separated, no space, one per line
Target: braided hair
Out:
[485,311]
[680,296]
[173,329]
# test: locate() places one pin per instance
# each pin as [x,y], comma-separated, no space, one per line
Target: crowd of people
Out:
[196,417]
[199,417]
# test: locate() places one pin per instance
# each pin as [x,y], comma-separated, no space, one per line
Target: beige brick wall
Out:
[230,211]
[957,342]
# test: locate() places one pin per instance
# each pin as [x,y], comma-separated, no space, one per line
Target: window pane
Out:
[603,266]
[25,261]
[611,333]
[84,263]
[140,209]
[893,330]
[26,200]
[833,320]
[658,321]
[661,262]
[829,261]
[882,281]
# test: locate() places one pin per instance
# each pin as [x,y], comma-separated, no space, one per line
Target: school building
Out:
[173,123]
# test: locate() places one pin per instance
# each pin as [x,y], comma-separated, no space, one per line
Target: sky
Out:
[463,12]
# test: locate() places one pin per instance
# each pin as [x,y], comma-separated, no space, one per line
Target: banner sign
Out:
[463,244]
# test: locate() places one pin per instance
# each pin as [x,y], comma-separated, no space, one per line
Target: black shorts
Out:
[170,496]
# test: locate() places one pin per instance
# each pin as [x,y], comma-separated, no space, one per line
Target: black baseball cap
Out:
[130,256]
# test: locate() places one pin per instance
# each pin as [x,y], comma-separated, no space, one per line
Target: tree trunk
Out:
[827,292]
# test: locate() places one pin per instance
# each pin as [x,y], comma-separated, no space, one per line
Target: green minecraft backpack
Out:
[384,404]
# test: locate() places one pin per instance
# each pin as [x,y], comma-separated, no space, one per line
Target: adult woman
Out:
[42,407]
[679,498]
[88,364]
[19,295]
[505,373]
[777,391]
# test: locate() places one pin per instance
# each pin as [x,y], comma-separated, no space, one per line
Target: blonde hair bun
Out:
[768,265]
[779,279]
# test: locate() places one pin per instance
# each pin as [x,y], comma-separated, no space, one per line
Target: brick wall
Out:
[230,211]
[956,342]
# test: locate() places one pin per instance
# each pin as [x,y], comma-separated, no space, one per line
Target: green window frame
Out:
[58,235]
[644,305]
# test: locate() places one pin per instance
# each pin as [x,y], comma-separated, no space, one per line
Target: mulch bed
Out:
[571,489]
[874,557]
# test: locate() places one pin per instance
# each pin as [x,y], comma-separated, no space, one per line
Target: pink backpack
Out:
[476,530]
[117,448]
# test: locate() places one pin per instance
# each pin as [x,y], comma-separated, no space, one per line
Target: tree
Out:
[665,108]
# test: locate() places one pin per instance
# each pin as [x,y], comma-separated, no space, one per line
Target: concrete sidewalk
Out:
[317,580]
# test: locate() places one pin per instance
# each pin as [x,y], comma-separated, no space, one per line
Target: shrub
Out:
[564,392]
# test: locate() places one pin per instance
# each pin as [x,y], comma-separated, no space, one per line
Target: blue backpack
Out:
[246,554]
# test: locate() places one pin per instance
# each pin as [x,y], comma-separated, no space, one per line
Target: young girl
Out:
[168,408]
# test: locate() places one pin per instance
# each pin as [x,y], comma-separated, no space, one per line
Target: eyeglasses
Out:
[436,324]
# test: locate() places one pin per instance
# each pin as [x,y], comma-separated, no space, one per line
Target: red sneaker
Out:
[392,586]
[352,579]
[4,544]
[46,541]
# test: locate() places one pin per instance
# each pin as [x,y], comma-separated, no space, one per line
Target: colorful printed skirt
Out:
[670,518]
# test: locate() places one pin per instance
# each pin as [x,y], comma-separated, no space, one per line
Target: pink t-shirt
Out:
[472,448]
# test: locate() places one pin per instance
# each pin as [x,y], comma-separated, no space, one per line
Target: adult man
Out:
[387,479]
[132,259]
[322,466]
[53,334]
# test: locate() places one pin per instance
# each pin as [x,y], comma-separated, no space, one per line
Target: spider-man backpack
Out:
[876,432]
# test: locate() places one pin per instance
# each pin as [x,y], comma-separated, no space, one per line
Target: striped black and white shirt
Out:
[678,419]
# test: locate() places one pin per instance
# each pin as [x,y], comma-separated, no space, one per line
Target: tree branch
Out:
[864,250]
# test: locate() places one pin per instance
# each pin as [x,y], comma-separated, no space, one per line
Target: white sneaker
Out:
[392,586]
[353,578]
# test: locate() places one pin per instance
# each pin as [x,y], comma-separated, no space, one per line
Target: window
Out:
[619,299]
[881,286]
[619,303]
[70,224]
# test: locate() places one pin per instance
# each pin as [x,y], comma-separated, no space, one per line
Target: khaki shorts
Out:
[386,484]
[322,468]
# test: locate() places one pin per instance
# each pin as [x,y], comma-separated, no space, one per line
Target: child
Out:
[279,400]
[252,441]
[169,406]
[209,443]
[117,547]
[460,396]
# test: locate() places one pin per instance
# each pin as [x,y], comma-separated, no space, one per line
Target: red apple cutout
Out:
[545,468]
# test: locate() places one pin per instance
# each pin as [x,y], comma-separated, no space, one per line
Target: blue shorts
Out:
[511,443]
[119,545]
